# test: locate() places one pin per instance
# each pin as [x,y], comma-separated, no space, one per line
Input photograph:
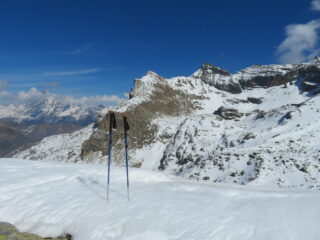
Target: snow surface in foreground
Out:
[49,198]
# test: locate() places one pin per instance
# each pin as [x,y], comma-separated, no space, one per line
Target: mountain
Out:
[49,109]
[24,124]
[255,127]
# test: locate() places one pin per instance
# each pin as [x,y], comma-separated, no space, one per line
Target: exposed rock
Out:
[228,113]
[218,78]
[10,232]
[307,86]
[254,100]
[161,101]
[304,168]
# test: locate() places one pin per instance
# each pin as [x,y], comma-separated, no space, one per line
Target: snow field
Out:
[50,198]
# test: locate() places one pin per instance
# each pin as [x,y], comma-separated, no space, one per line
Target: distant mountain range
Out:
[24,124]
[49,110]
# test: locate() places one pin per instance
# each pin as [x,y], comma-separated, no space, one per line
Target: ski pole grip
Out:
[125,122]
[113,122]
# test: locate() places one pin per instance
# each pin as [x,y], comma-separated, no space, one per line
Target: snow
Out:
[61,147]
[279,149]
[49,199]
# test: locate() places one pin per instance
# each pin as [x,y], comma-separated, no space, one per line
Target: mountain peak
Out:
[316,60]
[152,74]
[213,69]
[217,77]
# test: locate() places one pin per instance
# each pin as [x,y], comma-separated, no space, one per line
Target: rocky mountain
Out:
[257,126]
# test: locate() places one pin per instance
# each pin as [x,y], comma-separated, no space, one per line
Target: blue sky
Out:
[81,48]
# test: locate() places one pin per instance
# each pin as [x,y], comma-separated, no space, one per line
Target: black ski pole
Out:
[112,125]
[126,129]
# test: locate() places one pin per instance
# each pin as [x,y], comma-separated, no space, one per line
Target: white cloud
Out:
[300,43]
[315,5]
[71,73]
[95,100]
[33,94]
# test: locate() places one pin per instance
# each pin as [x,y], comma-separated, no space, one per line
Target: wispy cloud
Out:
[315,5]
[300,43]
[85,50]
[72,73]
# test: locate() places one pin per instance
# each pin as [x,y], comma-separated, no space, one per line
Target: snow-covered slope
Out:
[258,126]
[276,147]
[62,147]
[54,198]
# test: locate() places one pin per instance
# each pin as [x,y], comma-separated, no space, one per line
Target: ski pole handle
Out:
[125,124]
[112,120]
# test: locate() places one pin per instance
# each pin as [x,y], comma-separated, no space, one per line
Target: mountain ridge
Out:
[198,127]
[48,109]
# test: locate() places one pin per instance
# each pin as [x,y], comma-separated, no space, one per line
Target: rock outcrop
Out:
[10,232]
[217,77]
[151,98]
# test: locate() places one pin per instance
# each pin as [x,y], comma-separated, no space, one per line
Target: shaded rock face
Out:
[209,70]
[267,81]
[10,232]
[309,79]
[218,78]
[163,101]
[310,74]
[228,113]
[254,100]
[306,77]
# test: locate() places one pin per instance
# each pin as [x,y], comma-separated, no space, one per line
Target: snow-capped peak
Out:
[315,60]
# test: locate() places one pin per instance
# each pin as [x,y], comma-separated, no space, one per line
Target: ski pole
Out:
[126,129]
[112,125]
